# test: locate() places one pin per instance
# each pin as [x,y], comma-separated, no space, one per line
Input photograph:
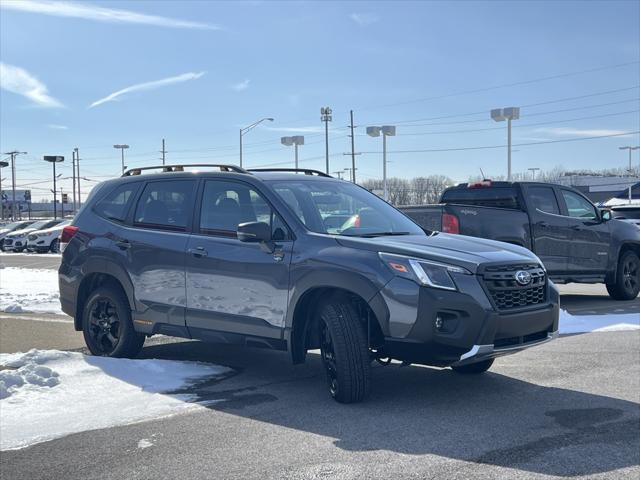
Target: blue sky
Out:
[89,75]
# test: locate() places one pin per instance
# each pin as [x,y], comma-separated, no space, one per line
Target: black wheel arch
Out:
[624,247]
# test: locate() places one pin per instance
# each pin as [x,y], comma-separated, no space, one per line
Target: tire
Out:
[55,246]
[107,327]
[474,368]
[627,281]
[344,350]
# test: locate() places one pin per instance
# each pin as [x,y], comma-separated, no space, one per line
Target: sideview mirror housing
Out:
[254,232]
[606,215]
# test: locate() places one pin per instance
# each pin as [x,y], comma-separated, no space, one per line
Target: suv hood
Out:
[460,250]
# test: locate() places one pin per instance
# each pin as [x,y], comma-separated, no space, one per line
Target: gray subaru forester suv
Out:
[294,260]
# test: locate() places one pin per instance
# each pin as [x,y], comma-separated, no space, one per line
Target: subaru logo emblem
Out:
[523,278]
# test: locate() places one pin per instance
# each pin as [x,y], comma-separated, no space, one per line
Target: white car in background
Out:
[47,240]
[16,241]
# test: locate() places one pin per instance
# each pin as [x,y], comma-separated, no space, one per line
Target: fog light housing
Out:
[439,323]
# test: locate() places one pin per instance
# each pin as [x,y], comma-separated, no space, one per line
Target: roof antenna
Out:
[482,173]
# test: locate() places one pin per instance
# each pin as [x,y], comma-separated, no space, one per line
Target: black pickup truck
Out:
[576,241]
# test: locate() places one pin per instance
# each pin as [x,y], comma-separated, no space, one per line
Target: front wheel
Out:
[626,284]
[55,246]
[107,327]
[474,368]
[344,350]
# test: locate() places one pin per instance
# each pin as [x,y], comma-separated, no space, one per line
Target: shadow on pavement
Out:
[488,419]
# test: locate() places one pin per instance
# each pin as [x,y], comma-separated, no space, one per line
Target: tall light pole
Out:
[245,130]
[533,171]
[295,141]
[631,149]
[386,131]
[3,164]
[78,176]
[13,156]
[508,114]
[326,117]
[122,148]
[53,159]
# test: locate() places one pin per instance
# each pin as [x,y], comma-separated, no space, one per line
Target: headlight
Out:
[423,272]
[21,235]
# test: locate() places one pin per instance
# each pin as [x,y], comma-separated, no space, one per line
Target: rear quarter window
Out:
[115,204]
[500,197]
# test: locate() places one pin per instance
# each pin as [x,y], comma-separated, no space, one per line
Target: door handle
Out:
[123,244]
[542,224]
[198,252]
[278,255]
[577,228]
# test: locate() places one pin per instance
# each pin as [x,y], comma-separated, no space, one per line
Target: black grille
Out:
[8,241]
[507,293]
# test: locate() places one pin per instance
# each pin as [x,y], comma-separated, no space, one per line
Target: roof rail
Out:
[181,167]
[306,171]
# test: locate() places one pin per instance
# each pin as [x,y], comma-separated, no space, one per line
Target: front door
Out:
[589,252]
[551,236]
[234,286]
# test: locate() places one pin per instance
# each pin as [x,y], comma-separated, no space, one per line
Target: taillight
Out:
[450,223]
[67,234]
[483,184]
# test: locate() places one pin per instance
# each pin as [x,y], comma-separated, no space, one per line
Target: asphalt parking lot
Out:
[569,408]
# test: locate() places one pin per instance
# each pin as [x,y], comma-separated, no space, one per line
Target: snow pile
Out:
[29,290]
[48,394]
[598,323]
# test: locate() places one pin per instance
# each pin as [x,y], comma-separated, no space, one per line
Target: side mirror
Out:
[254,232]
[605,215]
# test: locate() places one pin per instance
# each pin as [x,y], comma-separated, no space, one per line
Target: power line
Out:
[486,147]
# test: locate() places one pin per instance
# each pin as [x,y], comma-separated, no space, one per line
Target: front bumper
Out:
[443,328]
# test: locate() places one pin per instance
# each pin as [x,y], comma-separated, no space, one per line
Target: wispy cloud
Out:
[100,14]
[54,126]
[17,80]
[141,87]
[240,86]
[364,19]
[579,132]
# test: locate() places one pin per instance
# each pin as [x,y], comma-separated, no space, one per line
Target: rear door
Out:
[590,239]
[550,230]
[154,248]
[233,286]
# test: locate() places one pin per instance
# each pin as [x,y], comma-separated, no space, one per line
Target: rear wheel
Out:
[344,350]
[627,281]
[107,326]
[474,368]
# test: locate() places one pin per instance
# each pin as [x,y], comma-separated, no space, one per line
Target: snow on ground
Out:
[598,323]
[47,394]
[29,290]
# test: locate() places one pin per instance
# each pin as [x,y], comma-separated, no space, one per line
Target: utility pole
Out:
[3,164]
[163,152]
[61,203]
[73,175]
[122,148]
[353,150]
[631,149]
[13,156]
[78,176]
[533,171]
[325,116]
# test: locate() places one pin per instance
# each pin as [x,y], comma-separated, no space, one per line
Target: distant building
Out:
[598,188]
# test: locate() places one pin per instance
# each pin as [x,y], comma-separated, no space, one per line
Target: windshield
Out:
[13,226]
[39,225]
[341,208]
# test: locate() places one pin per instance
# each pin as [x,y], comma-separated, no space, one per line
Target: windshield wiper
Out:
[379,234]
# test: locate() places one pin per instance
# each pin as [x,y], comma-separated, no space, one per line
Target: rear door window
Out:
[115,205]
[500,197]
[165,205]
[543,199]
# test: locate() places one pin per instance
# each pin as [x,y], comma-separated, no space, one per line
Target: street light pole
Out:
[53,159]
[122,148]
[326,117]
[631,149]
[3,164]
[295,141]
[533,171]
[245,130]
[508,114]
[13,156]
[386,131]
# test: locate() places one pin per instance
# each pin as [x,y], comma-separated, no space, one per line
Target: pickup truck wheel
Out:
[344,351]
[474,368]
[627,281]
[107,327]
